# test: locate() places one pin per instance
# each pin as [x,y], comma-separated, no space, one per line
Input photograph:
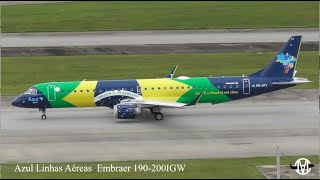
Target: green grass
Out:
[208,168]
[113,15]
[20,73]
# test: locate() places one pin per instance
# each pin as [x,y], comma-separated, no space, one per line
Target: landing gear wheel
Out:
[43,117]
[158,116]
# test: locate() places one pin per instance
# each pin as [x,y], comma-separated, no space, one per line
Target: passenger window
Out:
[112,89]
[230,86]
[152,88]
[199,87]
[131,89]
[125,89]
[237,86]
[182,87]
[75,91]
[177,87]
[206,87]
[81,90]
[87,90]
[62,91]
[68,91]
[188,87]
[171,87]
[159,88]
[145,88]
[224,86]
[164,88]
[100,90]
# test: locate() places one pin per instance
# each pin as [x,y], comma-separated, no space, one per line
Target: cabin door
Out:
[51,92]
[139,90]
[246,86]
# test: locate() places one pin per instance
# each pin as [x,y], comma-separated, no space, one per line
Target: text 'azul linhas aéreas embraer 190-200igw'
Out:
[129,97]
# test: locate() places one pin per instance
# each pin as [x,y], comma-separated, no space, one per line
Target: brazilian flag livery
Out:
[109,93]
[128,97]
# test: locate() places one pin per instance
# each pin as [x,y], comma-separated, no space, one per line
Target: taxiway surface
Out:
[236,129]
[156,37]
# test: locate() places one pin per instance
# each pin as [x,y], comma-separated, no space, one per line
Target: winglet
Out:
[172,72]
[196,100]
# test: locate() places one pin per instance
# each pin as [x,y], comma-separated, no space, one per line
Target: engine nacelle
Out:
[126,111]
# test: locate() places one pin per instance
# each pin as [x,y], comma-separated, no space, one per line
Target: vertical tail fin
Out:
[284,63]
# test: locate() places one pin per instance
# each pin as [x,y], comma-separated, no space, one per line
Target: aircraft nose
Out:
[16,102]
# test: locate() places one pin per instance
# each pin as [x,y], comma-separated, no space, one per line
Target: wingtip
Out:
[172,72]
[196,100]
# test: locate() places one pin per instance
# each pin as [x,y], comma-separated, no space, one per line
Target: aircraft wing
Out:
[163,104]
[149,104]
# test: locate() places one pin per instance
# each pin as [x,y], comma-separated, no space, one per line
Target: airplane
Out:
[128,98]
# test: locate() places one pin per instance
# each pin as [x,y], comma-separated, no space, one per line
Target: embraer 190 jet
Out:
[129,97]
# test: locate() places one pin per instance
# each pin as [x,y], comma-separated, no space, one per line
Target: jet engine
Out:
[126,111]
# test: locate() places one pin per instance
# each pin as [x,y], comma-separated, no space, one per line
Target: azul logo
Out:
[287,61]
[33,99]
[302,166]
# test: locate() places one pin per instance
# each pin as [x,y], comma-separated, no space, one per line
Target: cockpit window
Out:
[31,91]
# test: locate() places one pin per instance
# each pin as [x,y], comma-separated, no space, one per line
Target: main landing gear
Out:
[157,114]
[43,116]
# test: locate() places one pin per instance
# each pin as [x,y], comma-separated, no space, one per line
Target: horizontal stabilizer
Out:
[295,81]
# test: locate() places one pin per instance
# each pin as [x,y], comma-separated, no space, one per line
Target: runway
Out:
[245,128]
[156,37]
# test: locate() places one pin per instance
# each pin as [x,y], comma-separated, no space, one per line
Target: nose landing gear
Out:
[43,116]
